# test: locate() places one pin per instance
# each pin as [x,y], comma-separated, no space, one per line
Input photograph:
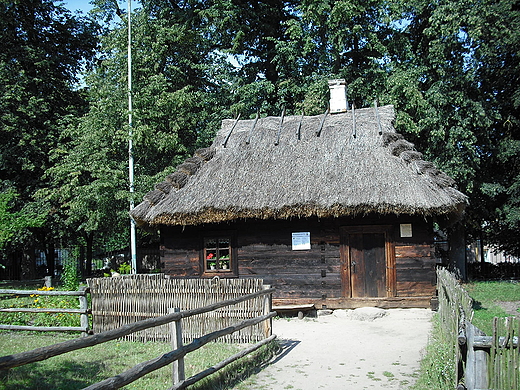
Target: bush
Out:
[70,276]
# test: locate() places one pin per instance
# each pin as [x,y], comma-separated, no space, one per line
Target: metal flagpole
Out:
[133,246]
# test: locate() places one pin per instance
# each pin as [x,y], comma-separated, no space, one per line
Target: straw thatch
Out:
[326,166]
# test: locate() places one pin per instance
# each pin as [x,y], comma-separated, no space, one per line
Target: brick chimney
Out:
[338,96]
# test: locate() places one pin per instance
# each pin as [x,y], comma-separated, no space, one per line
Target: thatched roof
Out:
[326,166]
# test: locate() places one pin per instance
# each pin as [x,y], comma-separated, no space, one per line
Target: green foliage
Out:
[70,276]
[450,71]
[124,268]
[44,49]
[13,223]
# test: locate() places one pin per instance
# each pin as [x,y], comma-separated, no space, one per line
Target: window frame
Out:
[214,244]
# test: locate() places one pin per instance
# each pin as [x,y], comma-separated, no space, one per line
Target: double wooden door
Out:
[367,262]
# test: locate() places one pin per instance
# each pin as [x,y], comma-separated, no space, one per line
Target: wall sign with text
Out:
[301,241]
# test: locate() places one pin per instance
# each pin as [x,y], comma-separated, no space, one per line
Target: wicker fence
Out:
[483,362]
[123,300]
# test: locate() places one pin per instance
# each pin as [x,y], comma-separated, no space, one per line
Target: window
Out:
[217,255]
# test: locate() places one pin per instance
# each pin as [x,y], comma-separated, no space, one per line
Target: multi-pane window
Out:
[217,254]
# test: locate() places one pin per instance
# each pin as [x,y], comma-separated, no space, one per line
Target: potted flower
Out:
[212,264]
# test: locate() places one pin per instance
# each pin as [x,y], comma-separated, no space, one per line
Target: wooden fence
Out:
[483,362]
[83,311]
[122,300]
[175,356]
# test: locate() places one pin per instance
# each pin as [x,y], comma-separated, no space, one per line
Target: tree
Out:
[14,223]
[495,32]
[44,49]
[454,83]
[177,102]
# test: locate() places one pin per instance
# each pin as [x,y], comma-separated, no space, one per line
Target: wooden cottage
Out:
[335,210]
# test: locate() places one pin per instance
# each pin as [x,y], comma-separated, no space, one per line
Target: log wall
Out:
[415,261]
[264,250]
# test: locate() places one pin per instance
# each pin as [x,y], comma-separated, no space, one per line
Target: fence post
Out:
[178,365]
[48,281]
[268,306]
[83,305]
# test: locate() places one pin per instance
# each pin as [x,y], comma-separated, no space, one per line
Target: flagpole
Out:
[133,245]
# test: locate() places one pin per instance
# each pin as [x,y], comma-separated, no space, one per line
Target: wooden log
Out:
[43,353]
[280,127]
[470,372]
[224,144]
[178,365]
[415,289]
[268,308]
[222,364]
[145,368]
[413,251]
[38,292]
[486,342]
[462,338]
[481,364]
[253,127]
[476,363]
[354,303]
[83,305]
[43,329]
[43,310]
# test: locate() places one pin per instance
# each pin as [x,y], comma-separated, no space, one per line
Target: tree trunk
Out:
[90,243]
[50,258]
[28,263]
[82,262]
[457,249]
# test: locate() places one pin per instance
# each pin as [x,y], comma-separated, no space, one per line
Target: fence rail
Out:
[83,311]
[483,362]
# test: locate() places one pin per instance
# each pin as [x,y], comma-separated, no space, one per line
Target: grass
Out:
[438,365]
[78,369]
[486,296]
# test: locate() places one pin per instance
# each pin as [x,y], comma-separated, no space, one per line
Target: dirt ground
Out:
[365,348]
[511,308]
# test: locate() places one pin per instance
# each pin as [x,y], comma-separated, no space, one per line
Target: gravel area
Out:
[364,348]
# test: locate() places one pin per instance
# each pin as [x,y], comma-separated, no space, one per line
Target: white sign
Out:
[301,241]
[406,230]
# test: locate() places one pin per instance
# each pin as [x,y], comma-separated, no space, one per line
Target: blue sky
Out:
[82,5]
[85,6]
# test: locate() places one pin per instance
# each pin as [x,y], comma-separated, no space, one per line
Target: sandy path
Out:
[348,350]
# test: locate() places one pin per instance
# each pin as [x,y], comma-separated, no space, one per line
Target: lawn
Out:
[78,369]
[487,297]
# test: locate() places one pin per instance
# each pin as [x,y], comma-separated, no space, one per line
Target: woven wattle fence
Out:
[123,300]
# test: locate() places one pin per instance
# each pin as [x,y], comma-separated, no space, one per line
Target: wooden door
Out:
[367,266]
